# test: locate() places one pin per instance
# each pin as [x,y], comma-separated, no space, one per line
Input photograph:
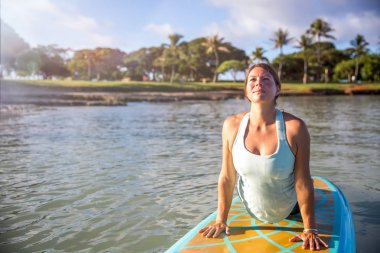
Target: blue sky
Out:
[132,24]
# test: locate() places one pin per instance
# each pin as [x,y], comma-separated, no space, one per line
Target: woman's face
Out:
[261,86]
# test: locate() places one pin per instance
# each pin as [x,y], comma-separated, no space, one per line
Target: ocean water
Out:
[137,178]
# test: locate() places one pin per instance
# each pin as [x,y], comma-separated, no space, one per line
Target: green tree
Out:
[11,45]
[258,55]
[292,66]
[359,48]
[232,66]
[52,61]
[99,63]
[173,53]
[136,64]
[160,63]
[281,38]
[344,70]
[28,62]
[200,62]
[214,44]
[190,62]
[304,43]
[108,62]
[370,71]
[82,64]
[151,55]
[329,57]
[320,28]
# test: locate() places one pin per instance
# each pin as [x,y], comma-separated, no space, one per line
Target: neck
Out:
[262,115]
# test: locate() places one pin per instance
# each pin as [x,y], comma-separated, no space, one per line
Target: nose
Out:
[258,82]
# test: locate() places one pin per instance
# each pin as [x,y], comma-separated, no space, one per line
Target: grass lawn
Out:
[190,86]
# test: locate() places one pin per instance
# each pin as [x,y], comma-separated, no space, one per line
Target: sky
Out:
[133,24]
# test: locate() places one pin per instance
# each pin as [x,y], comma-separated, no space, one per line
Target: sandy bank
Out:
[21,94]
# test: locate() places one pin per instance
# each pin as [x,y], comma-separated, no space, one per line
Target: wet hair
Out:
[267,68]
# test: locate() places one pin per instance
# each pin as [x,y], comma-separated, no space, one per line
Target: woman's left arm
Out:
[303,184]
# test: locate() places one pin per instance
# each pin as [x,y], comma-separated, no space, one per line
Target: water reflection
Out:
[137,178]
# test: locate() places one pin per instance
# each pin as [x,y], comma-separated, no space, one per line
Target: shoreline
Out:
[17,93]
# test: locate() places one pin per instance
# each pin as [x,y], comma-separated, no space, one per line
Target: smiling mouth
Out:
[257,91]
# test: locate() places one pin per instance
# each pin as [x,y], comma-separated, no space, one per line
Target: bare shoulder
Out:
[295,127]
[232,122]
[231,126]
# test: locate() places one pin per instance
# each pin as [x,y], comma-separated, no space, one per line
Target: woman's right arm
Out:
[226,183]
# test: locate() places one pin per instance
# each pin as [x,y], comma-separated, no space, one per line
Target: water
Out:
[137,178]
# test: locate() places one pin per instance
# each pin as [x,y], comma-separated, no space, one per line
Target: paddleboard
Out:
[334,219]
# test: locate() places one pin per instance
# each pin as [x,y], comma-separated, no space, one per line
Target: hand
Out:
[309,239]
[215,229]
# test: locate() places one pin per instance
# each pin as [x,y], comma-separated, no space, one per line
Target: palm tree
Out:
[359,44]
[192,63]
[160,61]
[304,43]
[173,49]
[258,55]
[90,58]
[281,38]
[320,28]
[214,44]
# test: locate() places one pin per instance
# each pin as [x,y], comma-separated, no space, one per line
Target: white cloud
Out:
[102,40]
[212,29]
[252,23]
[46,22]
[366,24]
[81,23]
[161,29]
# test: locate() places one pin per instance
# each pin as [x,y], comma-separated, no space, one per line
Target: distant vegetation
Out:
[199,60]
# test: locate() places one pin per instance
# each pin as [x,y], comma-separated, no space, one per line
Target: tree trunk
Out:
[215,79]
[191,75]
[280,66]
[304,79]
[356,69]
[89,71]
[326,75]
[163,72]
[319,59]
[172,75]
[234,76]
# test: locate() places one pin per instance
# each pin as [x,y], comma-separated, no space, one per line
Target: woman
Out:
[269,150]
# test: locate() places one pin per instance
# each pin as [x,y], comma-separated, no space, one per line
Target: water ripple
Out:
[136,178]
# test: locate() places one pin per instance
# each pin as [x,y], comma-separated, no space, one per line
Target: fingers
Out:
[202,230]
[214,230]
[314,242]
[305,244]
[228,231]
[295,239]
[323,243]
[210,232]
[311,243]
[217,232]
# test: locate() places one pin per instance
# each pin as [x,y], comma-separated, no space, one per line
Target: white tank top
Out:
[266,183]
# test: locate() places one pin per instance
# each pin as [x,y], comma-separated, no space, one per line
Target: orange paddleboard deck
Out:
[333,214]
